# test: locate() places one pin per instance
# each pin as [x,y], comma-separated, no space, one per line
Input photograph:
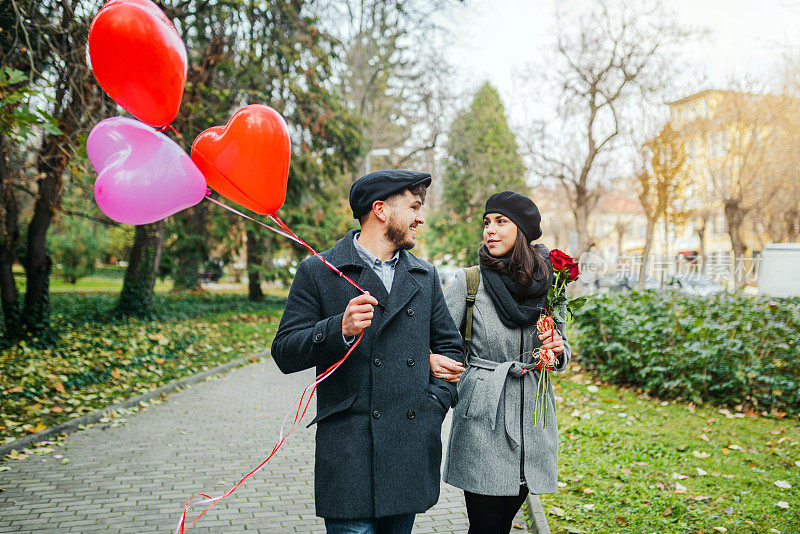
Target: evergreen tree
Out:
[483,159]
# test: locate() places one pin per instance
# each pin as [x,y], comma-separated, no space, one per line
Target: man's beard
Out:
[397,234]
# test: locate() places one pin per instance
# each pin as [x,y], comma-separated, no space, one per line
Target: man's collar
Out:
[369,257]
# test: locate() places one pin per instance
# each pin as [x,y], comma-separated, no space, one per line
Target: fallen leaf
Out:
[728,511]
[704,438]
[115,372]
[701,455]
[56,409]
[253,359]
[38,428]
[626,471]
[783,484]
[701,498]
[15,389]
[680,488]
[640,463]
[588,491]
[517,526]
[701,472]
[735,447]
[588,506]
[592,389]
[159,361]
[725,451]
[558,512]
[721,529]
[667,512]
[797,463]
[678,476]
[728,476]
[58,386]
[622,522]
[712,420]
[782,504]
[776,431]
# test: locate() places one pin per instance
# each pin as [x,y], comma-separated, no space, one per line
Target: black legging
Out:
[489,514]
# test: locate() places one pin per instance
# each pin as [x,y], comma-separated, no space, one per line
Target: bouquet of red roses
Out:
[566,271]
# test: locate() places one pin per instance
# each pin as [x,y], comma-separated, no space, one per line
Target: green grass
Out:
[620,453]
[98,360]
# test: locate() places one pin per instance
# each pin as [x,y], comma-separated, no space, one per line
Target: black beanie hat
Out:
[520,209]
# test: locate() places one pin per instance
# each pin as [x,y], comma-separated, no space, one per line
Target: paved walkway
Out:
[137,476]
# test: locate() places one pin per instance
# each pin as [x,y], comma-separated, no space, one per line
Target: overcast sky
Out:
[496,40]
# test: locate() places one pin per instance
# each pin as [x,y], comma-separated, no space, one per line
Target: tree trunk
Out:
[581,214]
[648,246]
[701,236]
[254,259]
[135,299]
[192,249]
[51,165]
[792,221]
[734,217]
[9,236]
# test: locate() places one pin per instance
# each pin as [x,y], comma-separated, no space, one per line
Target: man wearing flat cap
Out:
[379,415]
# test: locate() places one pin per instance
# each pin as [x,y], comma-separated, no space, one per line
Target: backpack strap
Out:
[473,281]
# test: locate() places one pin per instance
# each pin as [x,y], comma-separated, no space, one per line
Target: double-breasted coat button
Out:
[376,414]
[410,312]
[377,362]
[318,337]
[410,362]
[411,414]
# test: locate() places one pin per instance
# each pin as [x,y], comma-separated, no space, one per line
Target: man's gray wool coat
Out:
[492,445]
[379,416]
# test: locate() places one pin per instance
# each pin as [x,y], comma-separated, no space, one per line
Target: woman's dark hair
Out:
[525,265]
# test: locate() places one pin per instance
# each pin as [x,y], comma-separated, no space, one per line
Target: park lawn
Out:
[98,363]
[632,464]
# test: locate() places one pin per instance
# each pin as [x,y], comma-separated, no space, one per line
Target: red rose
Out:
[564,262]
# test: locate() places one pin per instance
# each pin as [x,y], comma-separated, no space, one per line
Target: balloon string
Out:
[213,501]
[278,220]
[237,212]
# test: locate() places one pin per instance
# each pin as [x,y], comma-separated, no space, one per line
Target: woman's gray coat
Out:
[489,437]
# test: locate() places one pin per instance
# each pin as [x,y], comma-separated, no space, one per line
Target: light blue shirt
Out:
[384,270]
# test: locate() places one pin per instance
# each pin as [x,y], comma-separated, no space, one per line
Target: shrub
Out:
[724,348]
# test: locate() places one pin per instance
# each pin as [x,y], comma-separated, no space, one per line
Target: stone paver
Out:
[136,477]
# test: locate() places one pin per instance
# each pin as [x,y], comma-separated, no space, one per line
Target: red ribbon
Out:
[304,402]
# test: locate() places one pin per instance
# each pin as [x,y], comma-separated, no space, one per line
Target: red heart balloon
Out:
[139,59]
[247,160]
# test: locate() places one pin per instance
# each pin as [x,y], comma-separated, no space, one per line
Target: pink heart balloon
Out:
[142,175]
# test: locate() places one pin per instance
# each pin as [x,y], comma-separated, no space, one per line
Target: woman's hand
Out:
[446,368]
[552,340]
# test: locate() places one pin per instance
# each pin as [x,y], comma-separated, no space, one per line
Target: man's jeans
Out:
[393,524]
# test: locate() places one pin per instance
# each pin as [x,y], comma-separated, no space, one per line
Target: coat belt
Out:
[489,391]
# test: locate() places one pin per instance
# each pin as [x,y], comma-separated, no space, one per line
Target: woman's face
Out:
[499,234]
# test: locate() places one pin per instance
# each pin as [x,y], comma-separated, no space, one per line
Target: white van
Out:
[779,270]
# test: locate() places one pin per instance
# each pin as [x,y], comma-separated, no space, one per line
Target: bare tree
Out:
[609,60]
[661,182]
[747,139]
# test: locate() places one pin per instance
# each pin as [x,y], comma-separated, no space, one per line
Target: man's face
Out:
[403,215]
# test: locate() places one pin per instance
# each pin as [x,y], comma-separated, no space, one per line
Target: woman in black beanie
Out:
[496,454]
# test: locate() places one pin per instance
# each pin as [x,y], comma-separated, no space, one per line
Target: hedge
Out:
[727,348]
